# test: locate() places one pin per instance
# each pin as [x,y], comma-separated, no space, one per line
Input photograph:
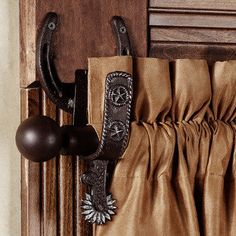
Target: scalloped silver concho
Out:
[94,216]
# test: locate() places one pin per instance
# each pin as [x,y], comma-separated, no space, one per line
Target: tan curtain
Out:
[177,176]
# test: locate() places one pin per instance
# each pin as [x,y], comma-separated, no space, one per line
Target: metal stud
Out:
[119,95]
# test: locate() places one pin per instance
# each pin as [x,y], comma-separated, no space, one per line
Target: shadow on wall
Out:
[9,118]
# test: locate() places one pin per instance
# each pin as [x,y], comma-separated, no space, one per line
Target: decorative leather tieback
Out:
[98,205]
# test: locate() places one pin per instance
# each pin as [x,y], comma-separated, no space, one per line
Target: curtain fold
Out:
[177,175]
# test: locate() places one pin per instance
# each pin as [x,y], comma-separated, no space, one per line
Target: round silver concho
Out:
[119,95]
[117,130]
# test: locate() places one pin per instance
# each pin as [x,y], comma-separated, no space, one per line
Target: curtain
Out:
[177,175]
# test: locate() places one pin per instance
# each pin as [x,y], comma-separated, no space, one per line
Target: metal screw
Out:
[71,103]
[122,30]
[52,26]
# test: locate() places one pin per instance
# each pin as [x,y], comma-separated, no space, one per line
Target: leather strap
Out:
[99,206]
[116,121]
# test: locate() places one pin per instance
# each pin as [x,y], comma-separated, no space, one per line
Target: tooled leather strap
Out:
[116,121]
[98,205]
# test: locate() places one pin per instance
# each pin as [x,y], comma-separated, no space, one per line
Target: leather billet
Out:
[98,205]
[116,118]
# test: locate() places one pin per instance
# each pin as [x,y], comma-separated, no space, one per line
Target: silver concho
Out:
[117,130]
[92,215]
[119,95]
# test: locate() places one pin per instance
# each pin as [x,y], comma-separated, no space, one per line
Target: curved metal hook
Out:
[60,93]
[122,37]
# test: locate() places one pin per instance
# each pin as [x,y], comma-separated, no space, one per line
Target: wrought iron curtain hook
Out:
[122,37]
[60,93]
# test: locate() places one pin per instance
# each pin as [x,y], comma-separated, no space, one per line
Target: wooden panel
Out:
[194,31]
[206,4]
[27,42]
[212,53]
[75,42]
[80,226]
[208,36]
[65,186]
[49,181]
[30,172]
[177,19]
[84,31]
[192,11]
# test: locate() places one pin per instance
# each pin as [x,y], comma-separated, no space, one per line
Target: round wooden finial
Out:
[39,138]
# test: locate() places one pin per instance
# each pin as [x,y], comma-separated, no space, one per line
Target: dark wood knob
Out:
[81,140]
[39,138]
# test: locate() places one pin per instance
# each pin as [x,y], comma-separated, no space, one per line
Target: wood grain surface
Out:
[195,4]
[193,35]
[80,226]
[49,181]
[65,186]
[30,173]
[27,42]
[192,29]
[192,19]
[172,51]
[83,31]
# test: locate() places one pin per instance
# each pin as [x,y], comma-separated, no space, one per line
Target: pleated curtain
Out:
[177,175]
